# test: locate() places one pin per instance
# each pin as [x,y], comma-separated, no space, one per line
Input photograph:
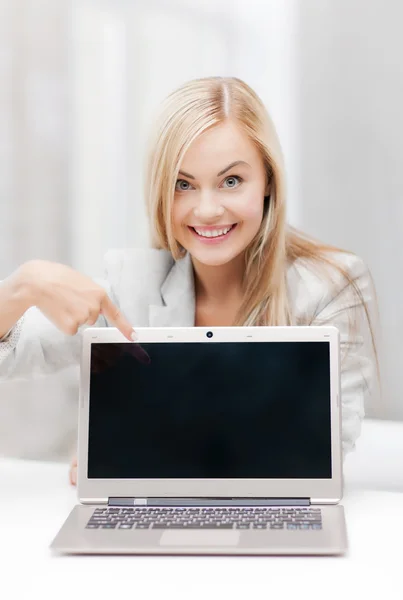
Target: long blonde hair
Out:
[188,112]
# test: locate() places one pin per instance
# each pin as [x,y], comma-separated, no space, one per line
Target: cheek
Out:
[178,213]
[250,210]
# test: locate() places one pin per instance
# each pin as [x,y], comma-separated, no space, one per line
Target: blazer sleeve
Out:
[343,309]
[36,347]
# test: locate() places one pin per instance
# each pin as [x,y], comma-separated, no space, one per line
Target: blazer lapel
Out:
[178,297]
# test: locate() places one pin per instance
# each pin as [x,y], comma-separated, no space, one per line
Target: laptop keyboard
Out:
[206,518]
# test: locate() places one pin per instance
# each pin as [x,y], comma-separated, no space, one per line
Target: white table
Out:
[35,498]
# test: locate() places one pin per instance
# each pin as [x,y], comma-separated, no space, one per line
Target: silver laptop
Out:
[197,441]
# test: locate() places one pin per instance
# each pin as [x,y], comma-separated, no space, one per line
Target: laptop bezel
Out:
[321,491]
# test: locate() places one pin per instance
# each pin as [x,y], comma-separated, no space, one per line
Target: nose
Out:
[208,208]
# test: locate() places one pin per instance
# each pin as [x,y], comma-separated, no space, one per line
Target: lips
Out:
[213,233]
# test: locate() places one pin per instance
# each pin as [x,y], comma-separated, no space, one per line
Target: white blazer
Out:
[152,289]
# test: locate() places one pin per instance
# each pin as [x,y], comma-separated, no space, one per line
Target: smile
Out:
[210,234]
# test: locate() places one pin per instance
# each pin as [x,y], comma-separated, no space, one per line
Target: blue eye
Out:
[182,185]
[233,181]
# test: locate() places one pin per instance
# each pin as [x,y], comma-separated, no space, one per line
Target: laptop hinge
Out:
[208,501]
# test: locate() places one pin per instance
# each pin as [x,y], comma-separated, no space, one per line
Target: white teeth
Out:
[212,232]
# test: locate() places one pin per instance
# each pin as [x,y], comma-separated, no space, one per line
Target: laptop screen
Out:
[210,410]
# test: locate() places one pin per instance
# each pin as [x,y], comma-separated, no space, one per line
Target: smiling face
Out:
[219,195]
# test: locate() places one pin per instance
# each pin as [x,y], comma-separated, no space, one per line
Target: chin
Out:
[213,258]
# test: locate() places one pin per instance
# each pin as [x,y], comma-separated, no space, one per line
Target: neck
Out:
[218,284]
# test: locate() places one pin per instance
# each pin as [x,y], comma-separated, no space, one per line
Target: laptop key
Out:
[171,526]
[98,521]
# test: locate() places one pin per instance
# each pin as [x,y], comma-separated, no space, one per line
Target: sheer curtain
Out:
[34,132]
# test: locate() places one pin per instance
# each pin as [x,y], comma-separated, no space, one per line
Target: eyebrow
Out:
[234,164]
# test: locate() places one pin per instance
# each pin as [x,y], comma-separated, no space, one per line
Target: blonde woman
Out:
[222,253]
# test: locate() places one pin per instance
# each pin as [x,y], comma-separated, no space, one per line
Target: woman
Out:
[222,252]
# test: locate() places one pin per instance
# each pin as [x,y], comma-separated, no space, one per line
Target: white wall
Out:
[350,98]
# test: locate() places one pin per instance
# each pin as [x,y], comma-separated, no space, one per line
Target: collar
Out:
[178,297]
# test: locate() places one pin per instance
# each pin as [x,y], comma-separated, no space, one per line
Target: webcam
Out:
[209,334]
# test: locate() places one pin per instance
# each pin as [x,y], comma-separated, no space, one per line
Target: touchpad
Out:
[171,537]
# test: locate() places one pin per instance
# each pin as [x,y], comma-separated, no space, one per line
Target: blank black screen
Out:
[210,410]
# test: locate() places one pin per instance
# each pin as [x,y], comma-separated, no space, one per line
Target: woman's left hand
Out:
[73,471]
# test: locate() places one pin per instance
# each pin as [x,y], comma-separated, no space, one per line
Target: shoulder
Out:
[314,284]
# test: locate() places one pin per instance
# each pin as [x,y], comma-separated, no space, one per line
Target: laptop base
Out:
[74,538]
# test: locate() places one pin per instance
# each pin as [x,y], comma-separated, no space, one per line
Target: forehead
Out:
[218,147]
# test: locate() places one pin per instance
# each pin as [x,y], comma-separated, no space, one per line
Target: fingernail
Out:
[133,336]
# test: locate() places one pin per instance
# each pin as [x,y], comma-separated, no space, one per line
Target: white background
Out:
[80,81]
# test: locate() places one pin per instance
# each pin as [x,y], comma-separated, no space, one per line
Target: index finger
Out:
[116,318]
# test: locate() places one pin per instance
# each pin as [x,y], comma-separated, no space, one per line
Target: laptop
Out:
[209,441]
